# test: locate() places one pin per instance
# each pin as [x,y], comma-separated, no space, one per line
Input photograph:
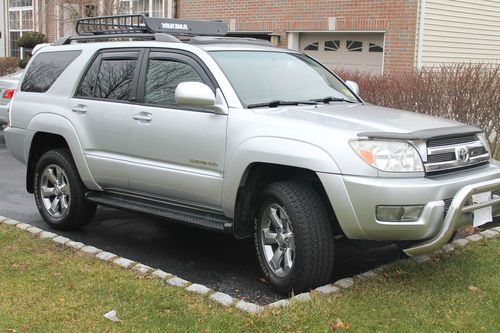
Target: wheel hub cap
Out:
[277,240]
[55,191]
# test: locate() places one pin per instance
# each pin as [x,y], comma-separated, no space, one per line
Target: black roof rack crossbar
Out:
[138,23]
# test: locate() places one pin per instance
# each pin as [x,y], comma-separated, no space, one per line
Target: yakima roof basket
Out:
[138,23]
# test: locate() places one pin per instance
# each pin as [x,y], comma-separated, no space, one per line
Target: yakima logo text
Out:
[177,26]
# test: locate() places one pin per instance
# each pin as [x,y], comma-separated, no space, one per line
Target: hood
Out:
[360,118]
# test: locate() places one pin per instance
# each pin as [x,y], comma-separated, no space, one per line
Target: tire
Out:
[72,210]
[308,252]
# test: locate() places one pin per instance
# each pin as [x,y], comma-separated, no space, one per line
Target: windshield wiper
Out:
[329,99]
[278,102]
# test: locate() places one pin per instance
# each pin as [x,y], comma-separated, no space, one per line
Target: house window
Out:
[312,46]
[20,22]
[332,45]
[151,8]
[375,48]
[354,46]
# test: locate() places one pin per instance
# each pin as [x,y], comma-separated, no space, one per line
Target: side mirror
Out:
[353,86]
[194,94]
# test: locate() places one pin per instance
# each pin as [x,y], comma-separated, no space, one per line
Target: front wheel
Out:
[294,237]
[60,193]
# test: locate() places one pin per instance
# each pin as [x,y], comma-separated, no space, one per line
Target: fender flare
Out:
[55,124]
[272,150]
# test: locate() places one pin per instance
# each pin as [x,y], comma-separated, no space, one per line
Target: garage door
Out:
[349,51]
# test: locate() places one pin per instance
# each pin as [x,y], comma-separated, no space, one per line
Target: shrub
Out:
[8,65]
[30,39]
[469,93]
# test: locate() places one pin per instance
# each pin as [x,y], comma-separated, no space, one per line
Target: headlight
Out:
[390,156]
[484,141]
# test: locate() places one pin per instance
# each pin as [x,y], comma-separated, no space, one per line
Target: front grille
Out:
[454,153]
[452,141]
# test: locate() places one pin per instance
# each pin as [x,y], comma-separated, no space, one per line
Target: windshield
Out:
[262,77]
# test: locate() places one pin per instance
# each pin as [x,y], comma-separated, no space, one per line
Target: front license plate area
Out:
[482,215]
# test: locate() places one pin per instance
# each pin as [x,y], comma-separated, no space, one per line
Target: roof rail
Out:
[138,23]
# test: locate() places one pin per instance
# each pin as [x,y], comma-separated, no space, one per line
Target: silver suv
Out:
[238,136]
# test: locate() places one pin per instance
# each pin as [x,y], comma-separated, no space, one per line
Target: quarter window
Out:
[45,69]
[354,45]
[163,77]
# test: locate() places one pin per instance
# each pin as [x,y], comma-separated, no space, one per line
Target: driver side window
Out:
[163,77]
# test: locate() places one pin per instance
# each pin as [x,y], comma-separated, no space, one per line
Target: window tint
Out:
[87,86]
[114,80]
[45,69]
[162,79]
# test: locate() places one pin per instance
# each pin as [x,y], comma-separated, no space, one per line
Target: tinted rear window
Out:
[45,69]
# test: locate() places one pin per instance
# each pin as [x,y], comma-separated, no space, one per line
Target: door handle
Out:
[143,117]
[80,108]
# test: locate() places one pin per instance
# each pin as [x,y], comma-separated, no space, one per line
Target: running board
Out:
[164,210]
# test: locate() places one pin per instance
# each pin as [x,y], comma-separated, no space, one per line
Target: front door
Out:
[175,152]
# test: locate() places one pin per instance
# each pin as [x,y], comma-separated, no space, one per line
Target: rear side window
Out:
[45,69]
[110,76]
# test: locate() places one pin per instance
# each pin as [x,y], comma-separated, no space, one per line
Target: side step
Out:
[165,210]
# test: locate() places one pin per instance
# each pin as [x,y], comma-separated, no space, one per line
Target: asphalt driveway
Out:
[215,260]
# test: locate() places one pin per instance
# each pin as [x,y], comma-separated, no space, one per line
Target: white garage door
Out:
[349,51]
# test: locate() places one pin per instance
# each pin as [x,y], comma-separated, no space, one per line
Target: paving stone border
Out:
[227,300]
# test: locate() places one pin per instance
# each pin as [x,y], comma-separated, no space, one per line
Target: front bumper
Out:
[354,200]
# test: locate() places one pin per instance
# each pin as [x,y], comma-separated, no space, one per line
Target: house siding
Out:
[461,31]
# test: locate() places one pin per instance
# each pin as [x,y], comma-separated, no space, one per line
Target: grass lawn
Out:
[48,288]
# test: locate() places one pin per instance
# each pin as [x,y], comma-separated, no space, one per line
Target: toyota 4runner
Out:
[170,118]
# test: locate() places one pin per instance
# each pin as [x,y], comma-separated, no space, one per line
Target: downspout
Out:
[421,21]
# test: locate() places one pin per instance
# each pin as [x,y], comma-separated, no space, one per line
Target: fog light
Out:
[398,213]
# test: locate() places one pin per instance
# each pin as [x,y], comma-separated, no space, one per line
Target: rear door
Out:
[176,152]
[100,112]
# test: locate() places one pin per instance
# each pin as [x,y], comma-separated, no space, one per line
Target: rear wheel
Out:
[60,193]
[294,237]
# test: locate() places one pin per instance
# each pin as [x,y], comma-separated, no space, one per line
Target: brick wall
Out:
[398,18]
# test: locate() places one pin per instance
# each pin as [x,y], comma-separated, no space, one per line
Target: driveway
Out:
[215,260]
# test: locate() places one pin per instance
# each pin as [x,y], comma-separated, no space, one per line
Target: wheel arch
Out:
[54,131]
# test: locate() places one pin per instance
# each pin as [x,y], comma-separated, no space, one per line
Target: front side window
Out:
[45,69]
[163,77]
[261,77]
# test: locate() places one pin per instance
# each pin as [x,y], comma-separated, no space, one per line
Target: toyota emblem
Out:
[462,154]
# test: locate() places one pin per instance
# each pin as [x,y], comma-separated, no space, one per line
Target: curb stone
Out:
[123,262]
[489,233]
[474,238]
[177,282]
[161,274]
[327,289]
[249,307]
[142,269]
[60,240]
[222,299]
[304,297]
[47,235]
[106,256]
[279,304]
[460,242]
[344,283]
[199,289]
[225,299]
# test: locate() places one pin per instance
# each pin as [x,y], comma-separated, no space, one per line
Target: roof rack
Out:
[142,27]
